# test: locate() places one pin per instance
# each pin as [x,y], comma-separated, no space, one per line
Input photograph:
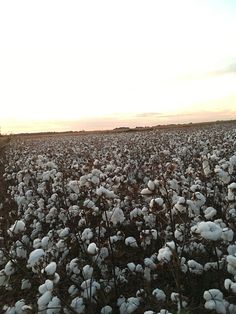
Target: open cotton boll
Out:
[231,267]
[64,233]
[151,185]
[214,301]
[51,268]
[159,294]
[35,257]
[87,234]
[92,249]
[195,267]
[129,306]
[54,306]
[103,191]
[3,277]
[209,230]
[131,267]
[44,300]
[87,271]
[17,227]
[163,311]
[74,186]
[230,285]
[164,255]
[146,191]
[10,268]
[209,212]
[227,234]
[131,241]
[78,305]
[74,266]
[25,284]
[19,306]
[106,310]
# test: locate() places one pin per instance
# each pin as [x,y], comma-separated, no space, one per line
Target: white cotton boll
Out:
[206,167]
[146,191]
[78,305]
[44,299]
[64,233]
[54,306]
[103,191]
[149,312]
[159,294]
[51,268]
[136,212]
[231,267]
[147,274]
[73,290]
[230,285]
[106,310]
[87,271]
[18,306]
[214,301]
[19,226]
[95,180]
[87,234]
[131,267]
[37,243]
[131,241]
[92,249]
[25,284]
[209,230]
[195,267]
[210,212]
[130,306]
[117,216]
[148,262]
[3,278]
[151,185]
[35,257]
[21,252]
[45,242]
[74,266]
[227,234]
[10,268]
[164,255]
[74,186]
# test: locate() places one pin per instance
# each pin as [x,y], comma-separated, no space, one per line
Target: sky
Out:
[88,65]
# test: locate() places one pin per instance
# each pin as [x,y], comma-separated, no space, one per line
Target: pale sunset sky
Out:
[73,65]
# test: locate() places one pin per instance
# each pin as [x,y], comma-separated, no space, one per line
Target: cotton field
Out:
[138,222]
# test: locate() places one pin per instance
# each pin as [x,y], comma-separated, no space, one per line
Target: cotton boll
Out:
[131,241]
[146,191]
[151,185]
[64,233]
[92,249]
[164,255]
[78,305]
[35,257]
[195,267]
[87,271]
[25,284]
[3,277]
[87,234]
[74,266]
[54,306]
[214,301]
[51,268]
[19,306]
[19,226]
[209,212]
[159,294]
[73,290]
[10,268]
[106,310]
[44,300]
[230,285]
[209,230]
[231,267]
[131,267]
[227,234]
